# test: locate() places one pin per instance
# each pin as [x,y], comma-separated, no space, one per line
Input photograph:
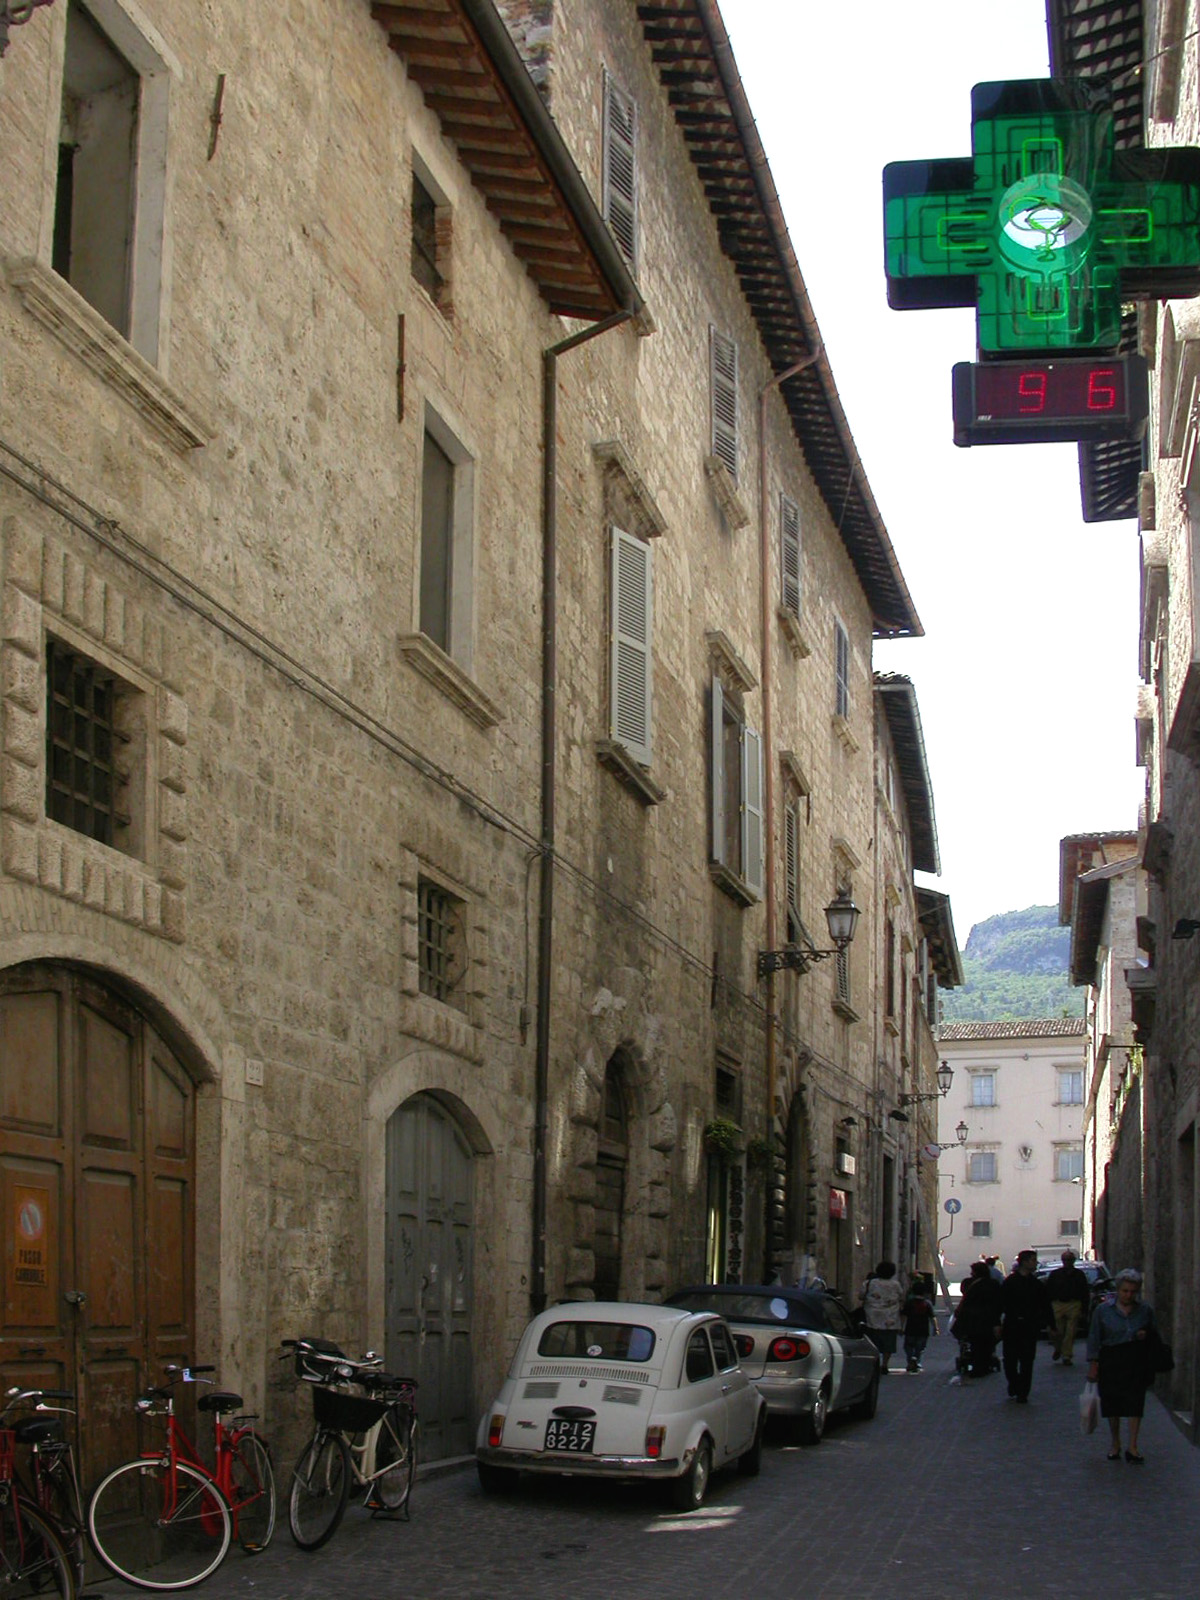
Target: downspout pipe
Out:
[764,565]
[537,1285]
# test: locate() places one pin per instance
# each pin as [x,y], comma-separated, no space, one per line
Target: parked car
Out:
[799,1346]
[603,1389]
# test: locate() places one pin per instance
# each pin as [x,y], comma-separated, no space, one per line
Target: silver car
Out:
[799,1347]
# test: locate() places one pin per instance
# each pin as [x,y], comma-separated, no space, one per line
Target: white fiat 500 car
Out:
[605,1389]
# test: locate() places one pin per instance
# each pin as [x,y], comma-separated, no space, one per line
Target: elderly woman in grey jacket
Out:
[883,1298]
[1119,1360]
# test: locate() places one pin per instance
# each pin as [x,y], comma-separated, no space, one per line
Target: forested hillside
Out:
[1015,965]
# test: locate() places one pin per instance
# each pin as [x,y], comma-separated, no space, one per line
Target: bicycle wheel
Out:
[159,1527]
[32,1558]
[253,1494]
[396,1449]
[59,1499]
[320,1490]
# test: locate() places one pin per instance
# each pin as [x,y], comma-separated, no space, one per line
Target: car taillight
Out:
[655,1438]
[789,1350]
[745,1344]
[495,1429]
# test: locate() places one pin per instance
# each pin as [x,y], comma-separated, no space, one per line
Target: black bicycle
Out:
[50,1482]
[365,1439]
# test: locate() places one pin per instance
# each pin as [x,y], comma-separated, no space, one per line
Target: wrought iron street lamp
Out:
[841,916]
[945,1077]
[13,12]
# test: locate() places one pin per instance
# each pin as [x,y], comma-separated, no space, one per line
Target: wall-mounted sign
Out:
[1046,228]
[30,1264]
[837,1204]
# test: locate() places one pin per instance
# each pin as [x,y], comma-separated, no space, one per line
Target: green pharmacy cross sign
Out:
[1047,228]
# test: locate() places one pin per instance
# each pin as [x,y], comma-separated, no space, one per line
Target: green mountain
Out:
[1015,966]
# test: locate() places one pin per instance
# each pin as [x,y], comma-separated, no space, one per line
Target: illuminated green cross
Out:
[1047,228]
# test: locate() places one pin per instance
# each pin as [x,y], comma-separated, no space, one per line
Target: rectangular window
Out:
[841,640]
[95,750]
[889,967]
[631,645]
[723,377]
[1068,1163]
[441,942]
[1068,1228]
[983,1088]
[446,539]
[110,193]
[981,1166]
[737,822]
[619,196]
[789,554]
[424,240]
[981,1230]
[1070,1088]
[791,862]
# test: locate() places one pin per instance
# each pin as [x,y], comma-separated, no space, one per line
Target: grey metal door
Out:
[429,1212]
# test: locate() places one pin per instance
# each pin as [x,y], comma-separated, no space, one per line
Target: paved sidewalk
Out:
[952,1493]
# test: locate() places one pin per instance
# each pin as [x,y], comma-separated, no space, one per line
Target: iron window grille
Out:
[83,778]
[440,943]
[424,241]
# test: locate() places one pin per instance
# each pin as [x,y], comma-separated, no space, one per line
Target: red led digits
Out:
[1031,386]
[1101,389]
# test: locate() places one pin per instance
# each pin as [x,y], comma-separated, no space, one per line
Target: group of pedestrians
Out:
[888,1308]
[1013,1311]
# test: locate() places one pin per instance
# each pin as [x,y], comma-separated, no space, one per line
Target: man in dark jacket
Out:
[1026,1308]
[1070,1296]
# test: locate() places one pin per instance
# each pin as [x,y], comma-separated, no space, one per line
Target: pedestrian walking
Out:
[1026,1310]
[882,1301]
[976,1323]
[1120,1344]
[919,1323]
[993,1265]
[1070,1295]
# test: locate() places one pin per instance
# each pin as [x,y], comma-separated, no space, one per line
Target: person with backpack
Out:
[919,1323]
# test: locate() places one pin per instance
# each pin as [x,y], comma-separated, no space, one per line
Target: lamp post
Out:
[841,917]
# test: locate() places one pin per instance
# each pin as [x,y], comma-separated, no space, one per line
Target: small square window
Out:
[981,1230]
[1068,1164]
[441,943]
[1069,1228]
[981,1166]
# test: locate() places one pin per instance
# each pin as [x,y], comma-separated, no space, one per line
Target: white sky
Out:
[1027,674]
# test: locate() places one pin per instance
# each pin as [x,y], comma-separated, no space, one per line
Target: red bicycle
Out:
[165,1520]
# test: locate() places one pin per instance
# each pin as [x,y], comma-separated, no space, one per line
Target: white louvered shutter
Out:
[791,865]
[619,200]
[716,741]
[752,810]
[723,365]
[789,546]
[631,644]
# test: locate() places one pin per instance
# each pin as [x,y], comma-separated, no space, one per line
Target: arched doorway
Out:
[612,1163]
[97,1167]
[430,1210]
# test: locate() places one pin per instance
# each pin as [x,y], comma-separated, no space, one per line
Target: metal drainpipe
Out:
[537,1287]
[769,776]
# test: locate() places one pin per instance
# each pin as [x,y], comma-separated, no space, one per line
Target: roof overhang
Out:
[933,913]
[899,701]
[1087,920]
[691,49]
[1077,855]
[460,55]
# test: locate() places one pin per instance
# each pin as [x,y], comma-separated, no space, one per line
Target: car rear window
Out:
[597,1341]
[770,1310]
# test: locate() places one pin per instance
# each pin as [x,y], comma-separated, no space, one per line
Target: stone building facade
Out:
[438,590]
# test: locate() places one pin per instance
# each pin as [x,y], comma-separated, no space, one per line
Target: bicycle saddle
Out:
[219,1400]
[36,1430]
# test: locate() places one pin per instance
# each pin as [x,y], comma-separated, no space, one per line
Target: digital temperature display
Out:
[1071,397]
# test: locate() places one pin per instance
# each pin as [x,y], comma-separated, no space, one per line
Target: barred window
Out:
[425,267]
[441,943]
[95,745]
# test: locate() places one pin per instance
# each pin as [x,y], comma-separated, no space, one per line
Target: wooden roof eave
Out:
[460,55]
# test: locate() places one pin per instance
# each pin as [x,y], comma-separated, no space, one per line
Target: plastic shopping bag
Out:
[1089,1408]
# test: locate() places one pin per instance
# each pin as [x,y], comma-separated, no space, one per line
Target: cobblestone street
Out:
[952,1491]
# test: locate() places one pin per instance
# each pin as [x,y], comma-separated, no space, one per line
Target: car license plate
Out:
[572,1435]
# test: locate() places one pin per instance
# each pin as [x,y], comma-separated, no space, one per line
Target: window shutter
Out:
[842,642]
[789,540]
[631,644]
[791,868]
[619,201]
[716,741]
[723,365]
[752,810]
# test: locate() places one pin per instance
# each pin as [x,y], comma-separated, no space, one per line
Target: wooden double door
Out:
[97,1178]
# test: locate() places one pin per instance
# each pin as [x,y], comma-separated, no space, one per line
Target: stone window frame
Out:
[441,260]
[458,1028]
[982,1156]
[443,943]
[134,365]
[51,590]
[978,1076]
[730,681]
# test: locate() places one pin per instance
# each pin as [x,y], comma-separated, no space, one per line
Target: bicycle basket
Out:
[8,1440]
[306,1367]
[347,1413]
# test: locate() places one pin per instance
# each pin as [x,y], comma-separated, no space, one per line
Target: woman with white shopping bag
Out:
[1119,1360]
